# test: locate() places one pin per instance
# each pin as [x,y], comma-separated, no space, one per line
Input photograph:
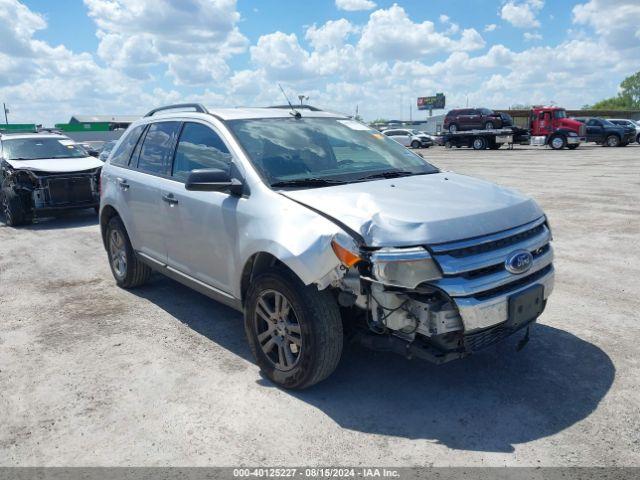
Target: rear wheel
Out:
[612,141]
[479,143]
[13,208]
[557,142]
[453,128]
[294,330]
[127,269]
[415,144]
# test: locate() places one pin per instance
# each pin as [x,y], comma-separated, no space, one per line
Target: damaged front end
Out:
[45,192]
[442,302]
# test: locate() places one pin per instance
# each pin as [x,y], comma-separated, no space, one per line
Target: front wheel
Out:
[127,269]
[415,144]
[13,208]
[612,141]
[557,142]
[294,330]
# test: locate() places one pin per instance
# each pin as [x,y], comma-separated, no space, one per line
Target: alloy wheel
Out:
[278,330]
[118,251]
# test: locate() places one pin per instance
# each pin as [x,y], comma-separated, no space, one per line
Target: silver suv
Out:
[318,228]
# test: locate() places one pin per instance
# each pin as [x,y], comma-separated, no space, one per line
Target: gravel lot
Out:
[94,375]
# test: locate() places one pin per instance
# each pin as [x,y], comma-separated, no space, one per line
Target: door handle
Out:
[169,198]
[123,184]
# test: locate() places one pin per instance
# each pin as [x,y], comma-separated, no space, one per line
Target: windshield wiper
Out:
[389,174]
[307,182]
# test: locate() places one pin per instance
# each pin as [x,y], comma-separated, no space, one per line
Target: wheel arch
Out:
[256,264]
[107,212]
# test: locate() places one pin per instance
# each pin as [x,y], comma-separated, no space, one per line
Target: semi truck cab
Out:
[551,126]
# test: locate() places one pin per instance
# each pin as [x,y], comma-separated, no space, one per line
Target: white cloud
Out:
[339,63]
[490,28]
[617,21]
[391,34]
[332,34]
[192,40]
[355,5]
[522,14]
[531,36]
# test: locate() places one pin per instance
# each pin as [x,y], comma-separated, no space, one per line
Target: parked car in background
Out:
[624,122]
[45,173]
[106,150]
[373,240]
[605,133]
[409,138]
[472,119]
[93,148]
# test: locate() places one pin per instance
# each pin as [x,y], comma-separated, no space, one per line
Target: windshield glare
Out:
[288,149]
[41,148]
[560,114]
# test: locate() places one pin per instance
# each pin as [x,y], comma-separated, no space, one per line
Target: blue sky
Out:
[116,56]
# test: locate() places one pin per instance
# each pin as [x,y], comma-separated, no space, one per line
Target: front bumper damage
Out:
[465,310]
[45,192]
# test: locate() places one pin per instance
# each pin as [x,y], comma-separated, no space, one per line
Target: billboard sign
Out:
[431,103]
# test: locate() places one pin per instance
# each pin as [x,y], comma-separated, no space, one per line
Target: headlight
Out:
[404,267]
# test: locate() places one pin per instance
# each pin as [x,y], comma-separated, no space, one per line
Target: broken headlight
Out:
[404,267]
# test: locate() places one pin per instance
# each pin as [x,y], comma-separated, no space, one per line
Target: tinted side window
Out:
[199,147]
[593,123]
[123,153]
[157,149]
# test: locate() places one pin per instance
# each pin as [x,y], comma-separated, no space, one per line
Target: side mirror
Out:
[213,180]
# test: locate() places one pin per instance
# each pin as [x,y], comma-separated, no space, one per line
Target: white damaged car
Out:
[41,173]
[318,229]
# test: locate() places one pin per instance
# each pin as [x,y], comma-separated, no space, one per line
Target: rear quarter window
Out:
[122,155]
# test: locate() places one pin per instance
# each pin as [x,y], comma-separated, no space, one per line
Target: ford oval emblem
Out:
[519,261]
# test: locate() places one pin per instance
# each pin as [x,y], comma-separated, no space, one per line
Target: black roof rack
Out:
[298,107]
[198,107]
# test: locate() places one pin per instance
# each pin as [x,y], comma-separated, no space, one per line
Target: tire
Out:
[313,319]
[13,209]
[127,269]
[448,144]
[573,146]
[489,126]
[612,141]
[557,142]
[415,144]
[479,143]
[453,128]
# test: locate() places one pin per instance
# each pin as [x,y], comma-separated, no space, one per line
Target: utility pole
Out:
[6,110]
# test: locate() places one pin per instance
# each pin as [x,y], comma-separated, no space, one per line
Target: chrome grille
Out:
[475,267]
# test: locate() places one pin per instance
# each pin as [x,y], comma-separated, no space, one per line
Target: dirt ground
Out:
[94,375]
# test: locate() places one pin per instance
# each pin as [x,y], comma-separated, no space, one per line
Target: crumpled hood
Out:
[57,165]
[421,209]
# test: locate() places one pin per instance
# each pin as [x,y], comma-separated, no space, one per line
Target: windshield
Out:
[560,113]
[324,150]
[41,148]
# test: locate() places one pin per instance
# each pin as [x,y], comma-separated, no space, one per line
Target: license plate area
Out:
[525,306]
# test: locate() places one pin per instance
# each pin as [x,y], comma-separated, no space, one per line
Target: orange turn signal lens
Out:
[347,257]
